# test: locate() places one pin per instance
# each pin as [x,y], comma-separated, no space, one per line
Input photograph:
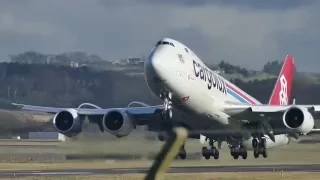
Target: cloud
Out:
[240,4]
[243,32]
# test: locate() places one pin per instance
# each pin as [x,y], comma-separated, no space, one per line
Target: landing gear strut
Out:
[213,151]
[238,150]
[167,97]
[259,147]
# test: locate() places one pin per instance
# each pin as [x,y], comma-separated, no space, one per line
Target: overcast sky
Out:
[243,32]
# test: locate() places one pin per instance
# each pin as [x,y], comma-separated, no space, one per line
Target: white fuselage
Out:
[196,90]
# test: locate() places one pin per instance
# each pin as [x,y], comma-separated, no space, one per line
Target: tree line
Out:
[63,86]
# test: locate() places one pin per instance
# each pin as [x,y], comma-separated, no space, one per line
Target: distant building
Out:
[74,64]
[219,71]
[129,61]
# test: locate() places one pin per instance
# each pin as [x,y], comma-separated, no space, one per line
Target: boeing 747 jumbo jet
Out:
[202,101]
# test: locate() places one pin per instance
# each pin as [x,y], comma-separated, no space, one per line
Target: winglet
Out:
[282,90]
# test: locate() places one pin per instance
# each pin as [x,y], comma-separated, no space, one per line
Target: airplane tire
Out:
[215,153]
[205,153]
[161,137]
[264,153]
[255,143]
[232,153]
[236,156]
[235,152]
[183,156]
[255,153]
[264,143]
[244,155]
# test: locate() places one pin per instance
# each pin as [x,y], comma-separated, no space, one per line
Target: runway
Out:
[195,169]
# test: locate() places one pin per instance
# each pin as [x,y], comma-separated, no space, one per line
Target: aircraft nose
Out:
[155,61]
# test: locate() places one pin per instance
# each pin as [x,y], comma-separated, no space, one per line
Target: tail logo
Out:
[283,95]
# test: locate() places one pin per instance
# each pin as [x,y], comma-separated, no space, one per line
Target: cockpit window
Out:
[165,43]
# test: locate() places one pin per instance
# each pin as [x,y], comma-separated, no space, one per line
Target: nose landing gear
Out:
[167,98]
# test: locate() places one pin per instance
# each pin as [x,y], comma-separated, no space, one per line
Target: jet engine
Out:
[68,122]
[298,119]
[118,123]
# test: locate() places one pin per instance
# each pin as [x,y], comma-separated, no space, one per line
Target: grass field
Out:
[135,146]
[289,154]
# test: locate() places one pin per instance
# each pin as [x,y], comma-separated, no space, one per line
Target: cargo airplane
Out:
[201,100]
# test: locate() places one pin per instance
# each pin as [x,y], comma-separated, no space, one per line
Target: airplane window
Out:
[165,43]
[186,50]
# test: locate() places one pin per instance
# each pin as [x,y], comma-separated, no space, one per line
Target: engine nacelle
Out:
[118,123]
[68,122]
[298,119]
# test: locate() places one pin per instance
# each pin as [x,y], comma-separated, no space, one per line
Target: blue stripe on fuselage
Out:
[237,96]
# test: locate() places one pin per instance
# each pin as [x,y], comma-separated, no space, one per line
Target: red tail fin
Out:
[282,90]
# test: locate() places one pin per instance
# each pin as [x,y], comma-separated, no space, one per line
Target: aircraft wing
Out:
[265,108]
[89,111]
[273,113]
[39,108]
[314,131]
[139,113]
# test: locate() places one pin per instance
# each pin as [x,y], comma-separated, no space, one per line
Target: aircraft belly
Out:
[198,122]
[280,140]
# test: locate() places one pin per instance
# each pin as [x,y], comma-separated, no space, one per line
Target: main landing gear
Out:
[213,151]
[259,147]
[238,150]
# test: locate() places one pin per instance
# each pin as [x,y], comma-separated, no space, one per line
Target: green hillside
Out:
[28,79]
